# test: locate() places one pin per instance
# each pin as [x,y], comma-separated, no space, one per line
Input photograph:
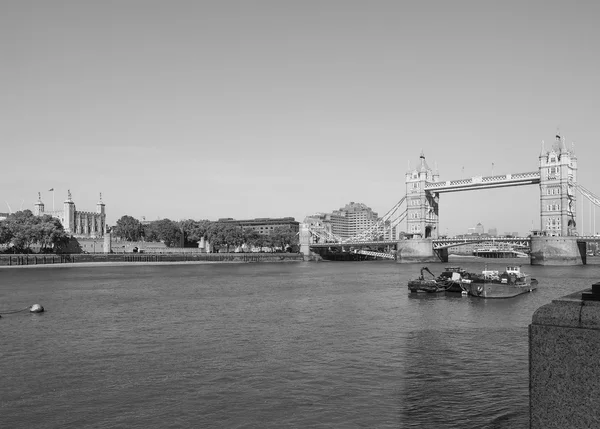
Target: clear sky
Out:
[243,109]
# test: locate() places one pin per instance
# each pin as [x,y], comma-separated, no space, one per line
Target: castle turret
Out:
[39,206]
[100,205]
[69,214]
[100,228]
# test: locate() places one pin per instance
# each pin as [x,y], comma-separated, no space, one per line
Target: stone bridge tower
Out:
[558,176]
[422,211]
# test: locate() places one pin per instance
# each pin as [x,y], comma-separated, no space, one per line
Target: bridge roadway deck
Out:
[480,182]
[357,243]
[442,243]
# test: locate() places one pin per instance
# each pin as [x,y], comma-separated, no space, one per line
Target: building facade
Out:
[352,219]
[265,225]
[77,223]
[320,222]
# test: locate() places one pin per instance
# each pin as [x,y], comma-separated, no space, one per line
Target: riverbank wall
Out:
[25,260]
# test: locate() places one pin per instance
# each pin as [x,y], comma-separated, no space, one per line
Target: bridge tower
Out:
[422,206]
[558,177]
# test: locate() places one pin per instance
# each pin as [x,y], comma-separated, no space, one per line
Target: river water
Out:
[283,345]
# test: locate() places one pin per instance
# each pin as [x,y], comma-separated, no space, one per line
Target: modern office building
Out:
[345,222]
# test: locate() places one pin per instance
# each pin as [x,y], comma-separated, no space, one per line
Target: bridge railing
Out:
[529,175]
[483,179]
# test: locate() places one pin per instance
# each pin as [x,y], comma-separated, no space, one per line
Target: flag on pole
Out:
[51,190]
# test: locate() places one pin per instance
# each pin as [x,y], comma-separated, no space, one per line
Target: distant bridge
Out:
[419,208]
[355,243]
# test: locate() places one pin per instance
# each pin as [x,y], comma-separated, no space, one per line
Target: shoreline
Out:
[113,260]
[117,264]
[130,264]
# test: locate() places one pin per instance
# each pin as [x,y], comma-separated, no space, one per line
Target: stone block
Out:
[564,364]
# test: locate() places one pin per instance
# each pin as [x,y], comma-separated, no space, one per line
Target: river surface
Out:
[282,345]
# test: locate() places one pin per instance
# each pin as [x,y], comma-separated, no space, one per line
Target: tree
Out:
[51,232]
[128,228]
[23,228]
[254,238]
[225,234]
[194,230]
[149,232]
[282,237]
[164,230]
[5,232]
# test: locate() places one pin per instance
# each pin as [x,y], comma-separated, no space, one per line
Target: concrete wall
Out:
[557,251]
[564,364]
[418,250]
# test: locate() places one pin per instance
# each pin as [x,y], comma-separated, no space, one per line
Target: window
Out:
[553,224]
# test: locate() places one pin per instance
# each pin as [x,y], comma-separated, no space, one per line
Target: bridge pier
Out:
[557,251]
[304,239]
[419,250]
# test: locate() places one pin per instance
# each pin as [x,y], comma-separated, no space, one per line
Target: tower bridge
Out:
[557,242]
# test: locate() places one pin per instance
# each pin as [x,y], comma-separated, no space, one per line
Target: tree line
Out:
[22,229]
[189,232]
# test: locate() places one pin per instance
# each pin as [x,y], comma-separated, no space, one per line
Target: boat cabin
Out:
[453,273]
[516,270]
[490,275]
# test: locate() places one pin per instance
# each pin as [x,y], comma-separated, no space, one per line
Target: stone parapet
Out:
[564,362]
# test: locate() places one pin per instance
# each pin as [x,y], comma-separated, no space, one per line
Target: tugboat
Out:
[492,284]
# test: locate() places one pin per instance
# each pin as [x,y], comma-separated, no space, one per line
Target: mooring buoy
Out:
[36,308]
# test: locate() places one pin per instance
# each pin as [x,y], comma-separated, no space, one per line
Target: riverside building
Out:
[264,225]
[348,221]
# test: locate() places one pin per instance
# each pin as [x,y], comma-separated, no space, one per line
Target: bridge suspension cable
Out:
[588,194]
[324,236]
[389,221]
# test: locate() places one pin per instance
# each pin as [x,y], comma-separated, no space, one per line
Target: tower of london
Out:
[77,223]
